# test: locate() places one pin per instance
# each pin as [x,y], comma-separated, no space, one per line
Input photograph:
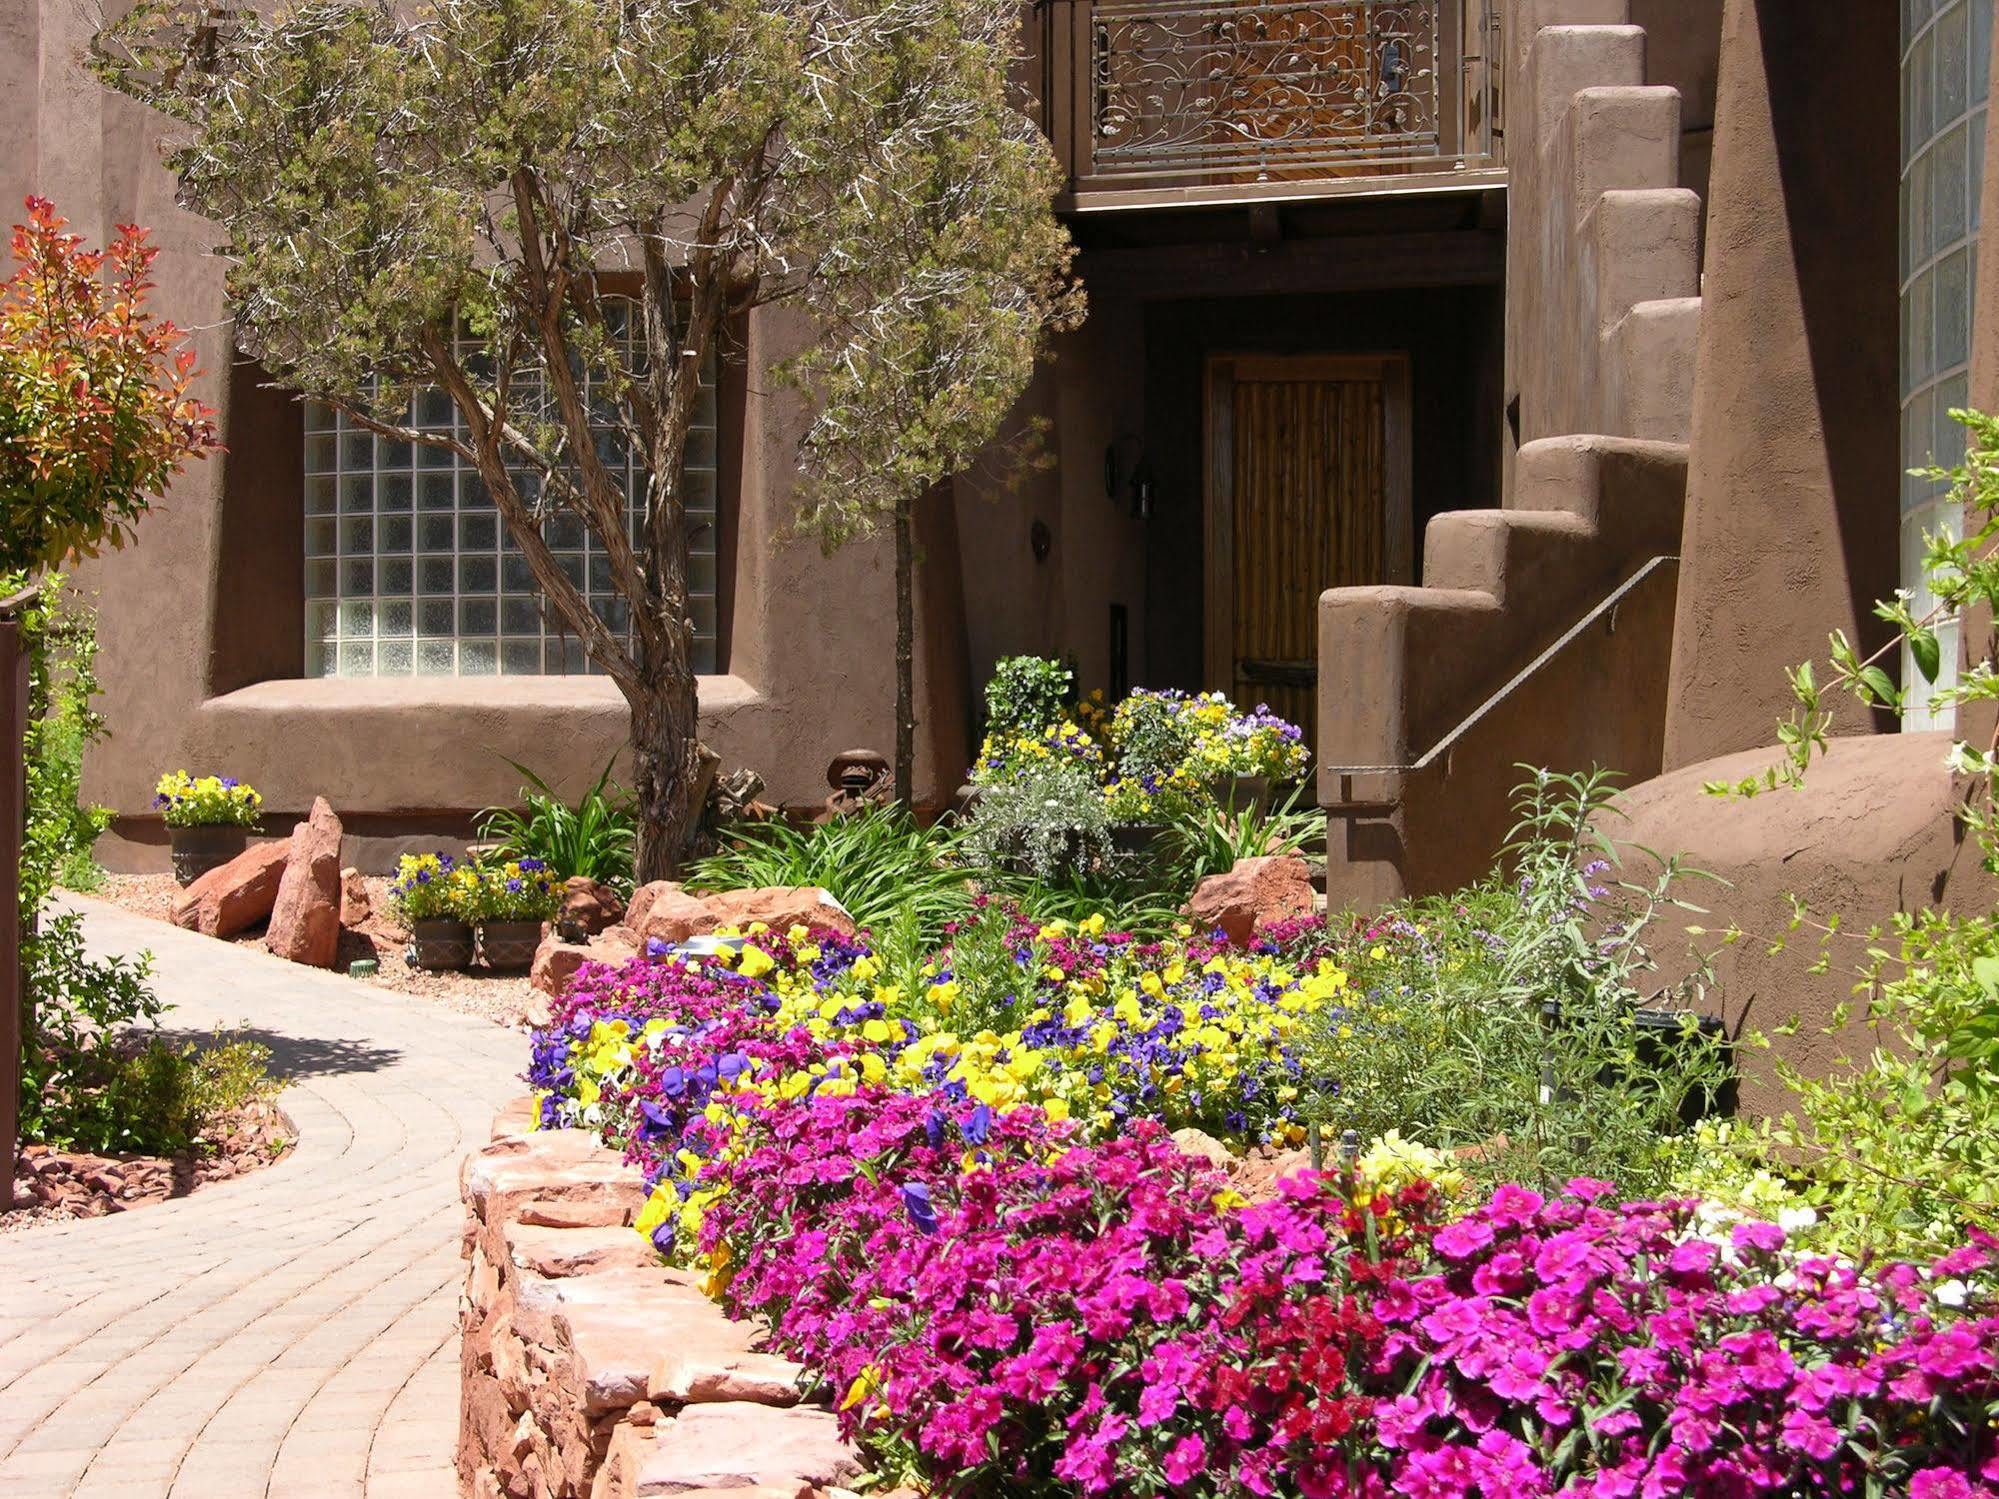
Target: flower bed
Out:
[957,1200]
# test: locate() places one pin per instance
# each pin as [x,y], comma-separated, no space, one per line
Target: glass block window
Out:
[410,571]
[1946,54]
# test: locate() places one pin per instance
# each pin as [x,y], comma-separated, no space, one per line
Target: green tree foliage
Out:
[557,211]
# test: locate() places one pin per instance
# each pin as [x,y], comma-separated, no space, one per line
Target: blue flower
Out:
[916,1198]
[979,1125]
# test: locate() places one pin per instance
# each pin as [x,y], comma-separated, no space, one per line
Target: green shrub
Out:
[1507,1017]
[1211,839]
[596,838]
[1026,695]
[877,863]
[149,1097]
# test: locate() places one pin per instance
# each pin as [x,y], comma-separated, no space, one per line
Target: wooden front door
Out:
[1308,489]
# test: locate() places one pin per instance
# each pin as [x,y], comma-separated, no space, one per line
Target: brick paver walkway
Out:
[291,1333]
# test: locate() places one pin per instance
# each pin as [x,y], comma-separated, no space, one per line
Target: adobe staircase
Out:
[1431,696]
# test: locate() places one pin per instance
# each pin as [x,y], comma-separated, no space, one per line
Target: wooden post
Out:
[13,824]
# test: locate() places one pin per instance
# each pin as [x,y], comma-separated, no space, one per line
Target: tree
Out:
[95,415]
[556,210]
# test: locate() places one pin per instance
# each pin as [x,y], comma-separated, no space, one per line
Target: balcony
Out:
[1182,102]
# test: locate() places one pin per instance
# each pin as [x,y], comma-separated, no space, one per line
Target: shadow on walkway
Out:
[297,1056]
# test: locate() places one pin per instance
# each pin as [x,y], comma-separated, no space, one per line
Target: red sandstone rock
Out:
[1192,1141]
[237,895]
[558,1253]
[589,906]
[1275,887]
[703,1369]
[737,1445]
[556,961]
[672,915]
[1257,1176]
[357,907]
[305,922]
[642,899]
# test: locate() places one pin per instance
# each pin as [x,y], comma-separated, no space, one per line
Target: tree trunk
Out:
[666,763]
[905,655]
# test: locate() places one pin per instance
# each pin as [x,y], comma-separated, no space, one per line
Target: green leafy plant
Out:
[1026,695]
[59,635]
[1512,1018]
[596,837]
[1212,839]
[1047,818]
[877,863]
[148,1096]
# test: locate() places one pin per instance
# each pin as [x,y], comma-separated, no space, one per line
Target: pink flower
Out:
[1940,1483]
[1766,1238]
[1463,1239]
[1186,1460]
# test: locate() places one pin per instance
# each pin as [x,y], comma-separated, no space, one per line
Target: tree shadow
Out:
[296,1056]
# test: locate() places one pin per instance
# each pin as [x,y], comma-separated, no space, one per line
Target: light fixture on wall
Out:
[1133,482]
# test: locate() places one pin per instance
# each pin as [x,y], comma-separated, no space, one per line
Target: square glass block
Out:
[322,495]
[322,537]
[519,616]
[478,616]
[357,494]
[478,575]
[322,453]
[357,536]
[478,531]
[430,456]
[1916,226]
[436,533]
[436,658]
[1919,90]
[515,574]
[357,450]
[436,492]
[318,417]
[1919,346]
[1948,439]
[390,453]
[1953,59]
[434,408]
[1980,48]
[436,575]
[434,618]
[1950,213]
[322,659]
[322,619]
[393,533]
[357,577]
[395,658]
[478,658]
[394,494]
[322,578]
[357,658]
[1953,310]
[394,619]
[521,658]
[357,619]
[1921,439]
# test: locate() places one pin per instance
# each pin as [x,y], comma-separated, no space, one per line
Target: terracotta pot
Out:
[440,944]
[509,945]
[199,849]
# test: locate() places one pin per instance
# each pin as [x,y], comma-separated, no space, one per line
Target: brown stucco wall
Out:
[200,624]
[1791,523]
[1871,833]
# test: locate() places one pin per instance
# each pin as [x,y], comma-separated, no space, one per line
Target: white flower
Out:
[1952,1293]
[1795,1220]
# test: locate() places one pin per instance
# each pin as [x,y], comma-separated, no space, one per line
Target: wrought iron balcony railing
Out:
[1144,95]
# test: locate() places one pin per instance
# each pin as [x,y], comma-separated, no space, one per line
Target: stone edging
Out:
[590,1371]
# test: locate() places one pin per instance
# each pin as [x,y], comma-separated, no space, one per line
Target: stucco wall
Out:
[201,642]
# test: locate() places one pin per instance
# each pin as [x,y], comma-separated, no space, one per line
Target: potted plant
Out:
[512,902]
[1046,819]
[208,820]
[1252,754]
[434,896]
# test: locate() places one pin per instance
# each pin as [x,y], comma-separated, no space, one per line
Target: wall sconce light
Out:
[1131,482]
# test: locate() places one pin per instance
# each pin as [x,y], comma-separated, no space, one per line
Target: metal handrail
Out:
[1607,605]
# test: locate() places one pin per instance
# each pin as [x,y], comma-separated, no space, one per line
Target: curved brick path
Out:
[291,1333]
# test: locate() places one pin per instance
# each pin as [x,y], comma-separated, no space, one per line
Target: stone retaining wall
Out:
[589,1371]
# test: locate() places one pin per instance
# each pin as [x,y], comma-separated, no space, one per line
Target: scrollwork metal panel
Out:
[1260,90]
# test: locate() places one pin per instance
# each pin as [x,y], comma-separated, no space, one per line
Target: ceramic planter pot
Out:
[509,945]
[1136,837]
[440,944]
[197,850]
[1243,793]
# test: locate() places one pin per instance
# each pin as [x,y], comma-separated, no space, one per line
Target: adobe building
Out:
[1474,381]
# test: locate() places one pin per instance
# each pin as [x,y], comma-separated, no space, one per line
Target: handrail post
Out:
[13,828]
